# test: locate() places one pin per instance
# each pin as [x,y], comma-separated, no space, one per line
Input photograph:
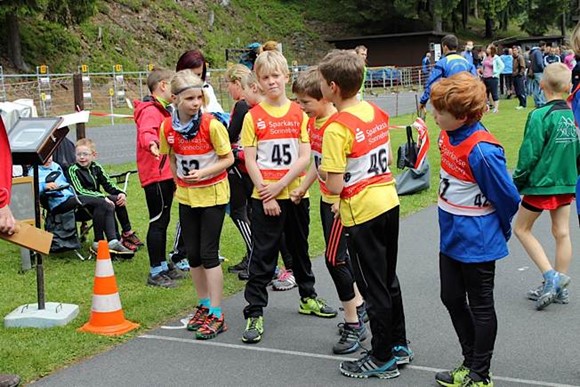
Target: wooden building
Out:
[402,50]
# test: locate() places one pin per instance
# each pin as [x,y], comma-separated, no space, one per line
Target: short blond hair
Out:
[236,73]
[185,80]
[249,80]
[270,61]
[557,78]
[156,76]
[308,83]
[88,143]
[346,69]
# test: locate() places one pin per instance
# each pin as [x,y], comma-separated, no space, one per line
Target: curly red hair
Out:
[462,95]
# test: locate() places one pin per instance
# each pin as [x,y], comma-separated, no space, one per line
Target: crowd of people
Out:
[262,161]
[514,72]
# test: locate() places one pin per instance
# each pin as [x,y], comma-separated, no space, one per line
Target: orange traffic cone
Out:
[107,317]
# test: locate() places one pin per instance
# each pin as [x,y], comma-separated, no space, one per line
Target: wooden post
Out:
[79,102]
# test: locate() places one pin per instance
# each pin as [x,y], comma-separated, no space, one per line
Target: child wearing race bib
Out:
[356,153]
[277,150]
[320,112]
[199,153]
[477,200]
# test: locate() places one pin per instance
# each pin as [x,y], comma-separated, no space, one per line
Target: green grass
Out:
[34,353]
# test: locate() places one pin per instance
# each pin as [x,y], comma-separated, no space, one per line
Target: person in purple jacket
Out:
[477,200]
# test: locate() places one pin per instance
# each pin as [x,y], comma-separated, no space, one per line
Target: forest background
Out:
[134,33]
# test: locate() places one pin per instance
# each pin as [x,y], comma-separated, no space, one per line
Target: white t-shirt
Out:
[213,105]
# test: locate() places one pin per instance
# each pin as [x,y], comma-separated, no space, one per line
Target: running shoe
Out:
[183,265]
[175,274]
[552,286]
[117,248]
[254,330]
[469,382]
[211,327]
[453,378]
[198,318]
[368,366]
[563,297]
[133,239]
[285,281]
[240,267]
[403,354]
[350,339]
[316,306]
[161,281]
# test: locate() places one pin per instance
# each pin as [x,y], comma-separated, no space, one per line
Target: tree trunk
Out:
[14,46]
[488,27]
[475,11]
[464,13]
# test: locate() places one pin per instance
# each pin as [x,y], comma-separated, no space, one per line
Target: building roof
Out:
[387,36]
[514,39]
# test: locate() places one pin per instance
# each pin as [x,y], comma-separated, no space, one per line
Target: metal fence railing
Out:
[108,92]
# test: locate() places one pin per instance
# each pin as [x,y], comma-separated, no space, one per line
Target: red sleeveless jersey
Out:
[278,140]
[196,153]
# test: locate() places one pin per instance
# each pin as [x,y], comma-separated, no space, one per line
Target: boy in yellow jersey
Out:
[356,153]
[307,90]
[275,142]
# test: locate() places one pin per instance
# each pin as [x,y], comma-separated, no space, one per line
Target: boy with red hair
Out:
[477,201]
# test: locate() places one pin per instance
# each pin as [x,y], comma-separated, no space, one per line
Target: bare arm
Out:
[335,182]
[310,178]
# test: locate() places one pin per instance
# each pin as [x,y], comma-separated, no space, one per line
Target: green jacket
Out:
[549,152]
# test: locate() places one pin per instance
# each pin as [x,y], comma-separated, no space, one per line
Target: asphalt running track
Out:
[532,349]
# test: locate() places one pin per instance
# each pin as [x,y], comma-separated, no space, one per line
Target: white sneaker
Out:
[519,107]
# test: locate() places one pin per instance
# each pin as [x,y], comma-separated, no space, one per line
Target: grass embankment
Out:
[34,353]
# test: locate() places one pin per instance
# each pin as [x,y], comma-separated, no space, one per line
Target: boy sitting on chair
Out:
[87,176]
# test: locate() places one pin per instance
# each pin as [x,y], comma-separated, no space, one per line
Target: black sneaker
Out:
[161,281]
[175,274]
[350,339]
[243,275]
[368,366]
[240,267]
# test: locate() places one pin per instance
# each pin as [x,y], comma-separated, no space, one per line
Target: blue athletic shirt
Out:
[450,64]
[472,239]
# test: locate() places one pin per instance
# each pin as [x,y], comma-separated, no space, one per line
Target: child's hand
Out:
[154,149]
[271,208]
[268,192]
[335,208]
[297,195]
[51,186]
[195,176]
[121,200]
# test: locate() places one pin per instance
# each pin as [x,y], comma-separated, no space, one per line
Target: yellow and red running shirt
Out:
[276,132]
[203,150]
[357,144]
[316,128]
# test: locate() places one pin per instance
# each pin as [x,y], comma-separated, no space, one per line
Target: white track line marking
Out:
[247,347]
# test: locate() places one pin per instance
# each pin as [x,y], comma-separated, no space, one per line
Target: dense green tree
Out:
[543,14]
[10,11]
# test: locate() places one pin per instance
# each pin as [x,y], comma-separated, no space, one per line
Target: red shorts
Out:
[538,203]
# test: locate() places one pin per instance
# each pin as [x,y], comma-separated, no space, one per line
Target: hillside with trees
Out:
[134,33]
